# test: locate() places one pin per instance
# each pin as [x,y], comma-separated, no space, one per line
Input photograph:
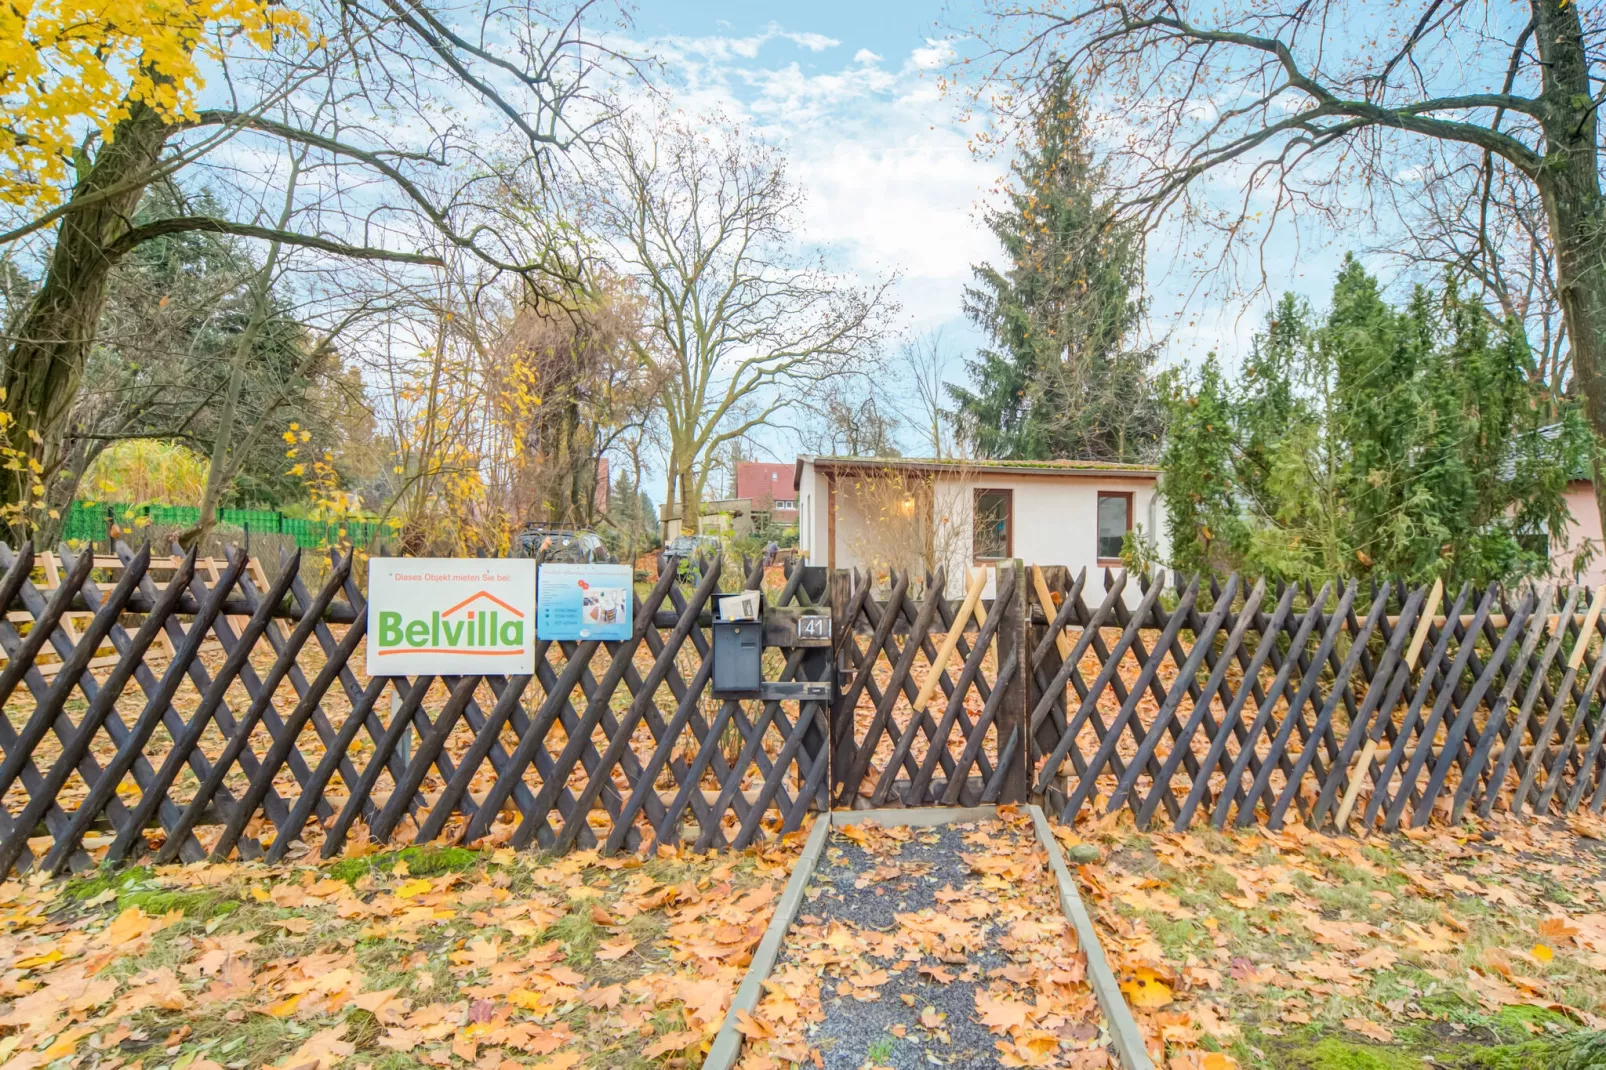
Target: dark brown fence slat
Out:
[969,673]
[882,719]
[1541,739]
[1203,643]
[1425,688]
[158,709]
[211,706]
[1565,746]
[620,733]
[104,703]
[1452,743]
[640,757]
[1511,738]
[279,751]
[400,722]
[1360,636]
[1088,782]
[1200,715]
[1472,773]
[1265,708]
[257,712]
[1389,677]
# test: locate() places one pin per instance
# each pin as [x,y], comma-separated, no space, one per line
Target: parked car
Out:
[681,554]
[572,546]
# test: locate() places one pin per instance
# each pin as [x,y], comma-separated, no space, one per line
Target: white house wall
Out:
[1054,520]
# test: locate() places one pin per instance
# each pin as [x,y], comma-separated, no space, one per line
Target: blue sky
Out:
[850,88]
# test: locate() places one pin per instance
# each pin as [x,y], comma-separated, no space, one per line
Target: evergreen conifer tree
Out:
[1059,378]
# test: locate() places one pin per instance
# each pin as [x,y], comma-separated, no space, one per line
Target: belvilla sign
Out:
[452,616]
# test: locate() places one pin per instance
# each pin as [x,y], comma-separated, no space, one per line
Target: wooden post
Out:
[840,593]
[1015,642]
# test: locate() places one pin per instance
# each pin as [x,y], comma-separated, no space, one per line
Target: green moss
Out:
[107,879]
[1581,1051]
[1515,1021]
[421,862]
[1332,1053]
[195,905]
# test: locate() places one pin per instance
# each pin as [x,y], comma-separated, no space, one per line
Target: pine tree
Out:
[1059,379]
[1391,441]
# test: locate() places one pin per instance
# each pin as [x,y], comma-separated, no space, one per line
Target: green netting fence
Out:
[91,522]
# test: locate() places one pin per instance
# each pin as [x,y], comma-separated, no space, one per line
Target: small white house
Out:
[913,512]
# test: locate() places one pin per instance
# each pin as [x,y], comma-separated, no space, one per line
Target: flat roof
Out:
[1070,468]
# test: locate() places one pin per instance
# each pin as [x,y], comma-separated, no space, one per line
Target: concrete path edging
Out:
[1123,1027]
[727,1046]
[728,1043]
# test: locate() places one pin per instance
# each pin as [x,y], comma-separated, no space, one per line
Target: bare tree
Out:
[852,416]
[702,216]
[1317,106]
[387,100]
[1487,228]
[924,363]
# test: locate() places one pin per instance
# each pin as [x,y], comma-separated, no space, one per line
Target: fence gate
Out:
[931,708]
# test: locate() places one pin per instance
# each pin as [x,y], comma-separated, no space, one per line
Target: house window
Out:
[1115,520]
[993,538]
[785,503]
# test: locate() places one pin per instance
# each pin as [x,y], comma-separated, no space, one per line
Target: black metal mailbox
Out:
[738,644]
[738,656]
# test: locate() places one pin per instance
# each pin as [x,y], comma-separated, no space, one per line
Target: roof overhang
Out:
[961,469]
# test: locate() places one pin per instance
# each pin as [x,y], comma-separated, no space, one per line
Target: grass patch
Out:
[579,935]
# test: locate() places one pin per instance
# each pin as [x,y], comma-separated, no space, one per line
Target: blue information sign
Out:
[584,601]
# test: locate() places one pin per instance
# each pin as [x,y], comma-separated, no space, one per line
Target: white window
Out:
[1115,520]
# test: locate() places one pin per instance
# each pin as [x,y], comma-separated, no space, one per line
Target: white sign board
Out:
[451,616]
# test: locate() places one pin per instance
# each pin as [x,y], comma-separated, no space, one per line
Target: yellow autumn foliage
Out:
[71,66]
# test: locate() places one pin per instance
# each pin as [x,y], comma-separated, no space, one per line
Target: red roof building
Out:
[768,486]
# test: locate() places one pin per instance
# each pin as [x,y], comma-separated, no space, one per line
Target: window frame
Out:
[1009,523]
[1098,509]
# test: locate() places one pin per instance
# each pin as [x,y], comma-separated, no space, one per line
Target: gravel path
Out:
[924,1012]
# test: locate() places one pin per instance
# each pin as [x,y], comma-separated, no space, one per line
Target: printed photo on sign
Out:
[584,602]
[454,616]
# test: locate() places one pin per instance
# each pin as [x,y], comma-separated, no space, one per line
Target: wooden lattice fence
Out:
[164,708]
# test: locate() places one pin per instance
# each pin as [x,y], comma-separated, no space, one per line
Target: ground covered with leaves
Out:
[1464,948]
[921,947]
[420,958]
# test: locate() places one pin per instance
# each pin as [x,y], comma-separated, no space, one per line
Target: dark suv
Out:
[570,546]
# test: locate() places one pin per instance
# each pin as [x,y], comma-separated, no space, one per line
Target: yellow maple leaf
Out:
[1147,989]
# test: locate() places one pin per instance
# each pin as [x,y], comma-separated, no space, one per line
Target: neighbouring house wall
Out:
[813,502]
[1584,530]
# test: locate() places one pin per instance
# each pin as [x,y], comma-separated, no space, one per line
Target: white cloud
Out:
[935,54]
[892,184]
[814,42]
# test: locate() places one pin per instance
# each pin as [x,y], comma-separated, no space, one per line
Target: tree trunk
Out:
[690,505]
[1569,182]
[51,342]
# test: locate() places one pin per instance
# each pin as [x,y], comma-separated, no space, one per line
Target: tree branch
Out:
[135,236]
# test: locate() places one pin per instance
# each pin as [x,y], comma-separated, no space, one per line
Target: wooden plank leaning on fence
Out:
[950,642]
